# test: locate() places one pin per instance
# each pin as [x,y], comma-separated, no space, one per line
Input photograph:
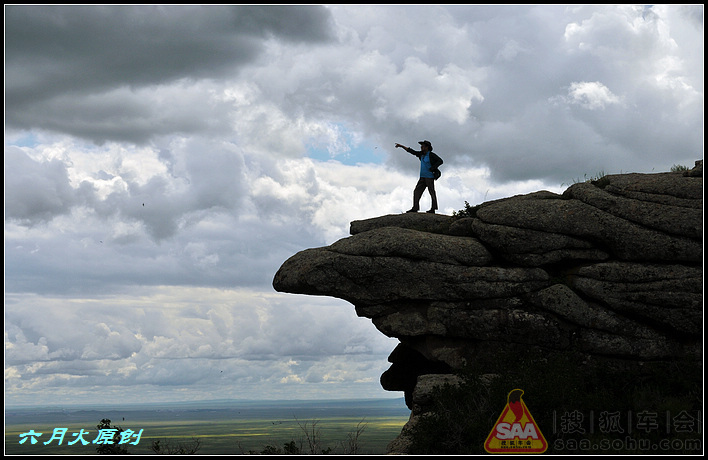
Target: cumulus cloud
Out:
[36,191]
[178,337]
[420,92]
[591,95]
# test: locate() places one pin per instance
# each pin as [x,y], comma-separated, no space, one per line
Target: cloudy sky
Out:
[162,162]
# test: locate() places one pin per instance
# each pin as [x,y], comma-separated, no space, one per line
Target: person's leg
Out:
[430,183]
[417,193]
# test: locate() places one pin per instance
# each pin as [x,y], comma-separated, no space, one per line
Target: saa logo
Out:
[515,432]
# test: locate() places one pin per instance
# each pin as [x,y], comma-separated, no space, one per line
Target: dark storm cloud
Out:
[58,54]
[48,195]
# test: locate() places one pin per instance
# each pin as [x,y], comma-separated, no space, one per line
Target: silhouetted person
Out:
[429,163]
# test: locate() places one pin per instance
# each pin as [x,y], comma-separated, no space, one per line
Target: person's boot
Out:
[432,211]
[412,210]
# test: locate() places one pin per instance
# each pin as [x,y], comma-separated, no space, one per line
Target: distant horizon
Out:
[223,426]
[108,405]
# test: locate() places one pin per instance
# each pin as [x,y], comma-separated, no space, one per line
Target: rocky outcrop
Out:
[610,270]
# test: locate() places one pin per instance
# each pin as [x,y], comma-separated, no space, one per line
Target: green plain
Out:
[230,430]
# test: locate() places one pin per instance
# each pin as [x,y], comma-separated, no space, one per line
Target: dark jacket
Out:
[435,161]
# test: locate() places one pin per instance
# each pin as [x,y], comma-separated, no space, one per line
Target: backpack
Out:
[435,162]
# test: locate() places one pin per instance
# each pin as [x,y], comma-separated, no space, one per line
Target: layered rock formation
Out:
[610,270]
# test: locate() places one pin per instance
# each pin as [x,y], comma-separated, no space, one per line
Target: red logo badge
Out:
[515,432]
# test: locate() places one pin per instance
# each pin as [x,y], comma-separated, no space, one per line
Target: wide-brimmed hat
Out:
[430,146]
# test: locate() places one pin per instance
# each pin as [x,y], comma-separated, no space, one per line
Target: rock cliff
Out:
[609,272]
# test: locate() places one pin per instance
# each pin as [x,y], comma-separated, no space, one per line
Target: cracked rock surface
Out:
[610,270]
